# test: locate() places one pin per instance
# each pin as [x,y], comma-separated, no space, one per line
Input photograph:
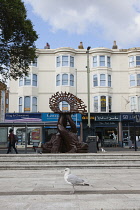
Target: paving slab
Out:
[46,189]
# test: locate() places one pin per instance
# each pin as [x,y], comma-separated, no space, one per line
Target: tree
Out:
[17,37]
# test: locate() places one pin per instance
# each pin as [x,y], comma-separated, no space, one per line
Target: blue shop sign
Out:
[130,117]
[23,117]
[53,117]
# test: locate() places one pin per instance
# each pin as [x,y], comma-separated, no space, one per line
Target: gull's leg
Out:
[73,190]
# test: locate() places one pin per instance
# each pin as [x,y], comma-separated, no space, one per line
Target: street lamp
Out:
[134,120]
[88,85]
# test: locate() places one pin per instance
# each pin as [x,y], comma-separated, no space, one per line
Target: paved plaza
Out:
[46,189]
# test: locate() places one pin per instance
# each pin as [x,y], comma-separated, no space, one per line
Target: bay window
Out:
[27,104]
[102,103]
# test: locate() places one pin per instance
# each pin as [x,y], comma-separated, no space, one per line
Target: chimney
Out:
[81,46]
[114,45]
[47,46]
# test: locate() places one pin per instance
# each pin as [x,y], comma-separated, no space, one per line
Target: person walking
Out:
[12,142]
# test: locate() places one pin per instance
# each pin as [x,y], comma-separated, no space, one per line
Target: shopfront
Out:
[106,126]
[130,129]
[33,134]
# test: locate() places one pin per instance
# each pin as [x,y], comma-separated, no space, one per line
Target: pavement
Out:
[110,189]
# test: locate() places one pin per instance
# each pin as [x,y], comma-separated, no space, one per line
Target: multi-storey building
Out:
[114,80]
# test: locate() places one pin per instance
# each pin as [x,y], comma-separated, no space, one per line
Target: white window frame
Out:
[22,107]
[133,103]
[29,79]
[101,61]
[95,80]
[61,62]
[108,107]
[68,82]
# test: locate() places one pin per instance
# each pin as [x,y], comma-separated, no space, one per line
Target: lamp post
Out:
[88,85]
[134,119]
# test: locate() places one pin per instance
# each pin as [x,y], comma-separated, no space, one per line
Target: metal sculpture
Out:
[66,140]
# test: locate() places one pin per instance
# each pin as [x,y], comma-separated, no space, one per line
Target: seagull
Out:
[103,150]
[73,179]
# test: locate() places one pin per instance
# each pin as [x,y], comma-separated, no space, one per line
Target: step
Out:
[54,161]
[55,167]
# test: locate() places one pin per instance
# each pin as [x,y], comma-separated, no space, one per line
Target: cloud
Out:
[112,19]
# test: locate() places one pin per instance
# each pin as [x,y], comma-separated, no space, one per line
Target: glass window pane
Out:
[109,80]
[132,80]
[102,60]
[58,61]
[138,79]
[133,103]
[58,80]
[94,61]
[71,80]
[71,61]
[34,104]
[95,80]
[27,104]
[27,80]
[110,103]
[20,81]
[65,79]
[102,80]
[96,104]
[34,80]
[64,60]
[131,61]
[108,61]
[20,104]
[103,103]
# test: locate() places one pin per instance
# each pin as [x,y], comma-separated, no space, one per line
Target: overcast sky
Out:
[97,23]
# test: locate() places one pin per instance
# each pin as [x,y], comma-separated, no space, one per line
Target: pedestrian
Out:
[97,142]
[12,141]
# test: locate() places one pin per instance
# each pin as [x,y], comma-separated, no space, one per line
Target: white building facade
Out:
[114,80]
